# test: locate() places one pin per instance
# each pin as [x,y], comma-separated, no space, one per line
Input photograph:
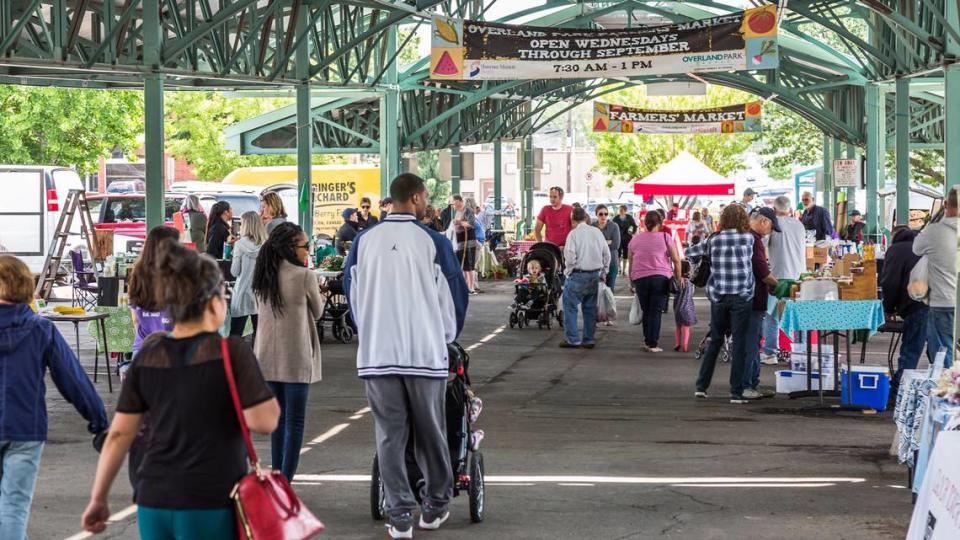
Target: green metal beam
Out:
[903,151]
[497,183]
[875,104]
[528,183]
[390,120]
[304,130]
[153,141]
[952,135]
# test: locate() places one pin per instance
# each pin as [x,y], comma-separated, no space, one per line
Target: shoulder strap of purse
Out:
[232,383]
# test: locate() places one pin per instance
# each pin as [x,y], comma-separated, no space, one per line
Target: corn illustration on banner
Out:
[464,50]
[742,118]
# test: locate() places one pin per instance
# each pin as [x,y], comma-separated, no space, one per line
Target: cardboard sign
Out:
[846,172]
[468,50]
[936,515]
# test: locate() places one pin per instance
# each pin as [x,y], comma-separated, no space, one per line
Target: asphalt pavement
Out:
[601,444]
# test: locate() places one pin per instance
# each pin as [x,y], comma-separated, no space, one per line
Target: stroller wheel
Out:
[513,320]
[377,495]
[477,491]
[346,335]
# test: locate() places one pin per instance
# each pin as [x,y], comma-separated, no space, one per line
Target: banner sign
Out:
[466,50]
[743,118]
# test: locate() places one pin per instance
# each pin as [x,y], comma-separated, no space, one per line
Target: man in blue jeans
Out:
[938,243]
[897,265]
[586,255]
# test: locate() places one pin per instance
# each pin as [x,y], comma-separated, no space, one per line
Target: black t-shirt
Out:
[196,453]
[216,237]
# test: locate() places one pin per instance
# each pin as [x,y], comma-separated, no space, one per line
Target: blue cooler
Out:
[871,387]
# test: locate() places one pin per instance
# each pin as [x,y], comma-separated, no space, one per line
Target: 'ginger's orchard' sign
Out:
[743,118]
[477,50]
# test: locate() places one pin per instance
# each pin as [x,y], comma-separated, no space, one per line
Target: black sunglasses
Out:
[602,214]
[365,206]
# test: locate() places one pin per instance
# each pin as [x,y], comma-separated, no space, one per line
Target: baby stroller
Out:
[539,302]
[336,311]
[724,355]
[465,457]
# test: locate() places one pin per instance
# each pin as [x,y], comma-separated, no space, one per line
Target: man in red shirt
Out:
[556,217]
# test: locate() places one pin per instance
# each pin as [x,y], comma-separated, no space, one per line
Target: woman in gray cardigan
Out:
[287,345]
[243,303]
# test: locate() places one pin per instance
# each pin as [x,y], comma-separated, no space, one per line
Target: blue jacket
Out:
[407,296]
[29,345]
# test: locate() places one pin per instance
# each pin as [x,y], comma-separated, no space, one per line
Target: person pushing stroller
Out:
[394,269]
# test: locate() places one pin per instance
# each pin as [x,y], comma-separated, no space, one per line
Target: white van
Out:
[33,197]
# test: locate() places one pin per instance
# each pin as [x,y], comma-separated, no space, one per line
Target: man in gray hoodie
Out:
[938,243]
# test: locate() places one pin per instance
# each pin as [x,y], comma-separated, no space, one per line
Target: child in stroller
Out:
[538,291]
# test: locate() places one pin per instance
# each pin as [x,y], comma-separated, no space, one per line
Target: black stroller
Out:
[336,311]
[539,302]
[465,457]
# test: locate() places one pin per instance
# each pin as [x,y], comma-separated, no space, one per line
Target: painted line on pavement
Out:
[329,434]
[573,480]
[115,518]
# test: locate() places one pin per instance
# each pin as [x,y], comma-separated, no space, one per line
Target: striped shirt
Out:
[731,269]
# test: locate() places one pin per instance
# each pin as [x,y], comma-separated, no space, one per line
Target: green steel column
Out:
[497,182]
[528,183]
[153,139]
[456,168]
[828,173]
[390,118]
[835,153]
[304,128]
[876,147]
[851,191]
[903,151]
[952,108]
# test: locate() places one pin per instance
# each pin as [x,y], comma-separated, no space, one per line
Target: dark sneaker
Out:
[588,345]
[431,518]
[400,526]
[566,345]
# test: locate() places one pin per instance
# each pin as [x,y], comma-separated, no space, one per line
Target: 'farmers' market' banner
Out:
[743,118]
[476,50]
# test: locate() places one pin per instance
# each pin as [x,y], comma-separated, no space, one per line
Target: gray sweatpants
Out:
[397,404]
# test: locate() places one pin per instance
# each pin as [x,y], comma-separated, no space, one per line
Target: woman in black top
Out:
[218,229]
[628,226]
[194,460]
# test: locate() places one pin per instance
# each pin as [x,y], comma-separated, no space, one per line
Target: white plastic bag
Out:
[919,285]
[635,314]
[606,303]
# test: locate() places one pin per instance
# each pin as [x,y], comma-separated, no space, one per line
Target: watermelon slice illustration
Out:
[600,125]
[446,65]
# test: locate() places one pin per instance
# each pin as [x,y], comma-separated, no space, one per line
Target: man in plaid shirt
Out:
[730,290]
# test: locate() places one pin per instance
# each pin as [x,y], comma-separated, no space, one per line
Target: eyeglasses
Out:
[302,246]
[602,214]
[365,206]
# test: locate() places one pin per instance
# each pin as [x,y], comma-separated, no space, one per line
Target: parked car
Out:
[127,186]
[30,210]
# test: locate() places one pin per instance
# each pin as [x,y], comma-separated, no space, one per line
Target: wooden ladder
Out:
[76,200]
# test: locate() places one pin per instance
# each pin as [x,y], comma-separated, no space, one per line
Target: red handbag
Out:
[267,507]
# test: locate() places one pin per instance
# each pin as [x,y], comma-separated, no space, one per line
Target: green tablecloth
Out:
[120,331]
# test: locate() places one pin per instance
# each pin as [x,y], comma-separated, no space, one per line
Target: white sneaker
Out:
[654,349]
[431,519]
[700,395]
[769,360]
[400,526]
[751,394]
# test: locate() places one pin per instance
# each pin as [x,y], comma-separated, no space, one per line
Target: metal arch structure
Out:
[842,61]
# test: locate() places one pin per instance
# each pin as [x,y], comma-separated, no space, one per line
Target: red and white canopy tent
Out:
[684,175]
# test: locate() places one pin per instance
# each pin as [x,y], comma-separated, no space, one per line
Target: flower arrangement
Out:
[948,386]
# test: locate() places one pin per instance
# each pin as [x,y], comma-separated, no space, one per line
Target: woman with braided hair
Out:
[287,345]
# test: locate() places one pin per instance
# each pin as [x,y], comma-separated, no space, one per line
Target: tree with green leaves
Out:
[626,157]
[67,127]
[788,140]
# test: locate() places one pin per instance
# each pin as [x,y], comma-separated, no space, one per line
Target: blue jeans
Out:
[580,290]
[751,370]
[940,333]
[652,293]
[731,313]
[19,463]
[771,335]
[286,440]
[170,524]
[913,339]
